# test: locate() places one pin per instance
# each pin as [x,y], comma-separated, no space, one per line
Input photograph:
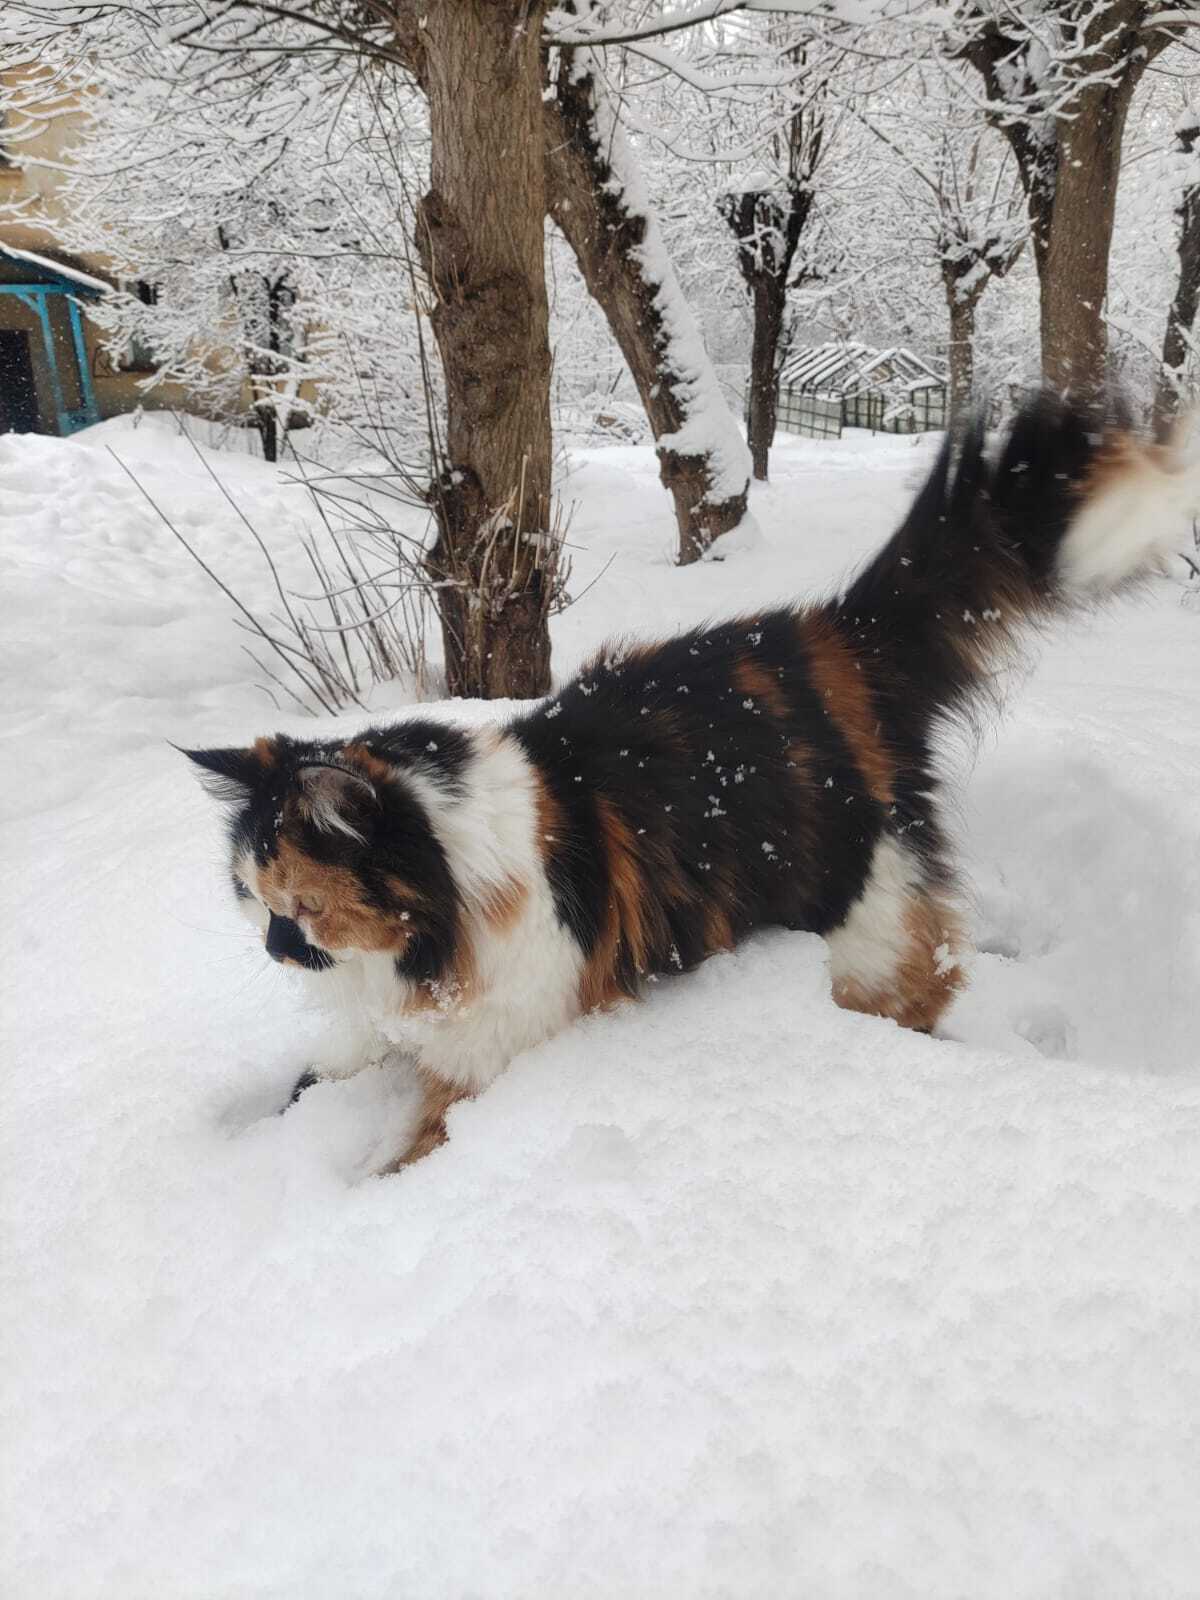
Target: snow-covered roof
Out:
[847,367]
[60,270]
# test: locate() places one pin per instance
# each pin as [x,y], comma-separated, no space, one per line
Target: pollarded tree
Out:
[979,239]
[1059,81]
[480,236]
[768,214]
[474,62]
[926,207]
[1059,78]
[947,193]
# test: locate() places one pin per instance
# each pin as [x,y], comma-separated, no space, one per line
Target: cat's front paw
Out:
[307,1078]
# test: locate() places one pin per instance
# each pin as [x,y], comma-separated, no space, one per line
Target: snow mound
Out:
[728,1293]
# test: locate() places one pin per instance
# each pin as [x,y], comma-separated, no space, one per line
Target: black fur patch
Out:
[703,775]
[286,942]
[981,538]
[434,749]
[751,806]
[736,775]
[400,844]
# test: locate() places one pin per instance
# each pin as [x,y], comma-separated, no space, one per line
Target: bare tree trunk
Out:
[1069,169]
[767,226]
[1168,393]
[267,422]
[260,333]
[480,235]
[625,267]
[962,308]
[1074,282]
[770,295]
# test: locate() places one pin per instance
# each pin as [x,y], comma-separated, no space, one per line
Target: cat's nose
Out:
[285,942]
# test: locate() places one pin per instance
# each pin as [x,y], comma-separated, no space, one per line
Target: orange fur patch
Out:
[430,1131]
[846,695]
[802,764]
[927,976]
[800,757]
[718,930]
[548,815]
[623,916]
[362,760]
[502,903]
[1121,456]
[759,683]
[346,922]
[661,728]
[621,652]
[343,920]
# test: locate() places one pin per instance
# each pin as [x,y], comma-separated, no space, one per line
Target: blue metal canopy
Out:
[36,298]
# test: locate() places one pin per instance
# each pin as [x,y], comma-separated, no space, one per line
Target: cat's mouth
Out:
[286,943]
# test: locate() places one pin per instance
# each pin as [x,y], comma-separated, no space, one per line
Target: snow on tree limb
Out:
[708,428]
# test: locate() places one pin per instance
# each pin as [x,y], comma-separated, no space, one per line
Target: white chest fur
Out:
[520,972]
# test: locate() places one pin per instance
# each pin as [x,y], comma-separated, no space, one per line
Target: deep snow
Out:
[727,1294]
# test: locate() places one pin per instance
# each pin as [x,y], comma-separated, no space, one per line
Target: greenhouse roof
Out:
[847,367]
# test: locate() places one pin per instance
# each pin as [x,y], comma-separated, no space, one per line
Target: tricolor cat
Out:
[462,895]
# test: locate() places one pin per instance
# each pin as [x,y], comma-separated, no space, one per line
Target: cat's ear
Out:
[231,774]
[337,800]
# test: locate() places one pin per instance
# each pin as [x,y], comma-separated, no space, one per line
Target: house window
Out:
[140,356]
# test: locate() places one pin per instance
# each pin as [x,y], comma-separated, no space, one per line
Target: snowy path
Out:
[728,1294]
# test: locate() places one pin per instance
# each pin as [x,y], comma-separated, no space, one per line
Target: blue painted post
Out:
[86,392]
[35,298]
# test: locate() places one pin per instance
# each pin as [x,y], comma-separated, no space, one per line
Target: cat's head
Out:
[333,853]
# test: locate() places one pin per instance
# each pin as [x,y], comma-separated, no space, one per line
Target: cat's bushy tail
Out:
[1067,511]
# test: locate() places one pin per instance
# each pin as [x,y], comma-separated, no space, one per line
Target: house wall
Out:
[34,190]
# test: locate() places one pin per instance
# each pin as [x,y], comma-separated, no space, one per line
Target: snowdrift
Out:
[729,1293]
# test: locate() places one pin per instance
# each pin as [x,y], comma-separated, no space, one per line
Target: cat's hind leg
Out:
[896,953]
[430,1129]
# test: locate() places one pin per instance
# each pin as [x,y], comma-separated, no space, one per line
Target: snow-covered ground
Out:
[727,1294]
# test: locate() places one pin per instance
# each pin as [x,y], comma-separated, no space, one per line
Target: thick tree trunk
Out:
[480,235]
[962,308]
[592,199]
[1074,279]
[1168,393]
[770,295]
[1069,171]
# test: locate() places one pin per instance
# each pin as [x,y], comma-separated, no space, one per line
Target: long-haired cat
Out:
[466,894]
